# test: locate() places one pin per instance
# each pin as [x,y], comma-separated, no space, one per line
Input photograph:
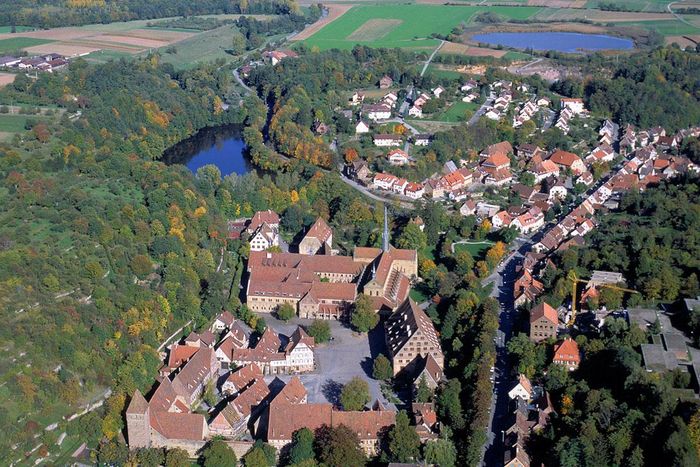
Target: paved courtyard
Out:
[346,356]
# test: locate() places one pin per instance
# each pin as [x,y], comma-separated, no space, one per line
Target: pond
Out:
[569,42]
[221,146]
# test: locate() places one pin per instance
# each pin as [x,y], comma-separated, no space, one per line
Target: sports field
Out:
[404,26]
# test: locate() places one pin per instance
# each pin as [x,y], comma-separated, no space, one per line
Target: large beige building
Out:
[390,274]
[544,321]
[411,337]
[319,239]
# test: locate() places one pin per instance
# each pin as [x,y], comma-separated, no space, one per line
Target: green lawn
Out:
[447,74]
[8,29]
[17,43]
[407,26]
[476,249]
[103,56]
[13,123]
[458,112]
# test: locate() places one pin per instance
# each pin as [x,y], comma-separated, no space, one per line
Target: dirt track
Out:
[335,11]
[463,49]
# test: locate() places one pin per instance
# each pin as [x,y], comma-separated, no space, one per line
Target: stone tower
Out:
[138,425]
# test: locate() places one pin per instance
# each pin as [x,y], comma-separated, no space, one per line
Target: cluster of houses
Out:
[168,418]
[49,62]
[500,105]
[570,107]
[528,109]
[529,411]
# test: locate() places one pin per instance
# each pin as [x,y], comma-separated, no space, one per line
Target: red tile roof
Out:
[546,311]
[567,352]
[320,230]
[185,426]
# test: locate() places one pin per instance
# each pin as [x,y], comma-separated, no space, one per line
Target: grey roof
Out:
[658,359]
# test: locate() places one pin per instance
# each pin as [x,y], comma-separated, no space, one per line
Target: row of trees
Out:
[58,13]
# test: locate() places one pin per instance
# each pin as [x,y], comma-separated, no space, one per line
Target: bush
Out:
[382,368]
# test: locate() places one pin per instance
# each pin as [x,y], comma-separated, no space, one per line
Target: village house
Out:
[410,335]
[384,140]
[415,111]
[276,56]
[234,417]
[568,160]
[425,420]
[422,139]
[469,85]
[376,112]
[385,82]
[437,92]
[526,288]
[567,354]
[430,371]
[522,389]
[414,190]
[238,380]
[361,128]
[269,355]
[384,181]
[356,98]
[398,157]
[544,321]
[573,104]
[468,208]
[359,170]
[399,186]
[319,239]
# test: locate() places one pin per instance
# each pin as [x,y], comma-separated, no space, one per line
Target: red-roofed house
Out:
[568,160]
[568,354]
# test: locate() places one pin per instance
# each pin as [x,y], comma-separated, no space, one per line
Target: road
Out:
[482,110]
[430,59]
[240,81]
[502,279]
[365,191]
[678,17]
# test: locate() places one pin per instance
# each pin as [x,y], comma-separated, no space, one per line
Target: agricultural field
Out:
[6,78]
[16,43]
[409,26]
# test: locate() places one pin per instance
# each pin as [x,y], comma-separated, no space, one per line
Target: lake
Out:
[221,146]
[570,42]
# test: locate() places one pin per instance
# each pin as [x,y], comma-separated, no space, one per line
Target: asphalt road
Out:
[482,110]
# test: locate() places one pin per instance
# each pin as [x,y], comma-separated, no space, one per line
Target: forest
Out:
[58,13]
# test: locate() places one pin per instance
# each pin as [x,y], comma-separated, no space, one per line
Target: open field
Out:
[458,112]
[559,14]
[667,28]
[417,23]
[8,29]
[334,12]
[476,249]
[17,43]
[455,48]
[6,78]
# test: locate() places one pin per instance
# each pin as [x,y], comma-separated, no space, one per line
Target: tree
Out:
[449,405]
[423,392]
[302,448]
[363,317]
[218,454]
[285,312]
[355,394]
[150,457]
[381,369]
[260,455]
[177,458]
[527,178]
[320,330]
[440,452]
[694,431]
[338,447]
[611,298]
[141,265]
[412,237]
[404,443]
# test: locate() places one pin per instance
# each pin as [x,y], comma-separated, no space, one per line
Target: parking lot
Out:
[338,361]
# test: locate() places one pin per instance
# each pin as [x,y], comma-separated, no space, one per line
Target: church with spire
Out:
[391,271]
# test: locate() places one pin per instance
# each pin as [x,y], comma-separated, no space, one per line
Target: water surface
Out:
[570,42]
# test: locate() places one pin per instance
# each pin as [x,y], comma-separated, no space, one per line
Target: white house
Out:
[384,181]
[361,128]
[573,104]
[469,85]
[397,157]
[544,101]
[264,237]
[438,91]
[400,185]
[387,140]
[377,111]
[414,190]
[415,111]
[523,389]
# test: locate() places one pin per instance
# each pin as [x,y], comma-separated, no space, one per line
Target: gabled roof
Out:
[567,351]
[299,336]
[179,354]
[320,230]
[226,318]
[186,426]
[244,376]
[564,158]
[546,311]
[269,217]
[138,404]
[407,320]
[293,392]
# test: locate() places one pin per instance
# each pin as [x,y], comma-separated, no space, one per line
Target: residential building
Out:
[385,82]
[522,389]
[568,160]
[384,181]
[567,354]
[384,140]
[397,157]
[376,112]
[361,128]
[414,190]
[575,105]
[544,321]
